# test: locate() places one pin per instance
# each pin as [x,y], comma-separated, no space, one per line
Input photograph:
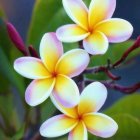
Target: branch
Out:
[108,67]
[130,50]
[37,136]
[102,69]
[128,90]
[111,85]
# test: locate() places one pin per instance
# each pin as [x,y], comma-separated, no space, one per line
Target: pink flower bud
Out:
[16,39]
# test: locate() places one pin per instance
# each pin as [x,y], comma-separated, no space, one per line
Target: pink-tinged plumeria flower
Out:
[82,118]
[94,25]
[53,72]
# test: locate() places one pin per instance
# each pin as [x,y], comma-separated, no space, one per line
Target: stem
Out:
[37,136]
[81,83]
[108,67]
[125,55]
[102,69]
[111,85]
[33,52]
[81,45]
[128,90]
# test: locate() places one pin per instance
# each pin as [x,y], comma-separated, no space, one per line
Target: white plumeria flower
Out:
[94,25]
[83,117]
[53,72]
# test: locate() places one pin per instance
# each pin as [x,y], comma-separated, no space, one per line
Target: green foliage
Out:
[19,134]
[128,128]
[114,53]
[9,73]
[5,42]
[126,113]
[9,114]
[47,110]
[47,16]
[128,105]
[2,14]
[11,82]
[3,136]
[43,13]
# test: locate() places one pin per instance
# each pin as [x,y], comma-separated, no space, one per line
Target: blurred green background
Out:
[32,19]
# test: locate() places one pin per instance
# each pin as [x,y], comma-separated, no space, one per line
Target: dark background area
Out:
[19,14]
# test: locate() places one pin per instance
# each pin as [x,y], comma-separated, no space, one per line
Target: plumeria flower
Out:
[53,72]
[83,117]
[94,25]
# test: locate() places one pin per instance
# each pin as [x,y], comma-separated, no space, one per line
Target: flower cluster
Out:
[54,70]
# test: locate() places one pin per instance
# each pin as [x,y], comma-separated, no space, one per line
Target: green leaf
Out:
[5,41]
[129,128]
[126,113]
[19,134]
[4,84]
[47,17]
[8,72]
[97,76]
[128,105]
[44,11]
[9,114]
[47,110]
[3,136]
[2,14]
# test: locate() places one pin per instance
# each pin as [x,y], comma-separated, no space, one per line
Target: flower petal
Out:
[96,43]
[100,125]
[79,132]
[92,98]
[51,50]
[73,62]
[71,33]
[57,126]
[66,91]
[100,10]
[71,112]
[77,11]
[31,67]
[116,30]
[38,91]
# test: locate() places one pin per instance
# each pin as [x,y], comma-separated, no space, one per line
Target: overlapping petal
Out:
[100,10]
[71,112]
[57,126]
[39,90]
[96,43]
[116,30]
[77,11]
[73,62]
[71,33]
[92,98]
[51,50]
[79,132]
[100,124]
[65,90]
[31,67]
